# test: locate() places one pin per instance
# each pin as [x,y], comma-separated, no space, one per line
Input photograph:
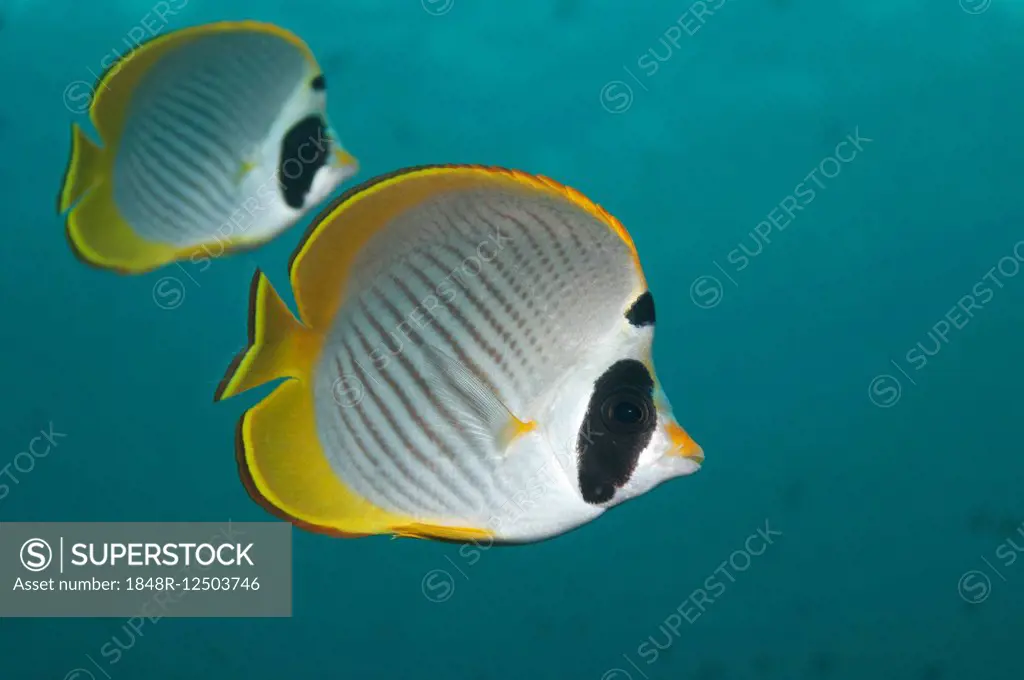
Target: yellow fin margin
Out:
[321,263]
[113,91]
[441,533]
[279,345]
[280,459]
[284,469]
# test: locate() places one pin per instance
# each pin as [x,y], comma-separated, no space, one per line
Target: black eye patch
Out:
[319,83]
[304,150]
[618,426]
[641,313]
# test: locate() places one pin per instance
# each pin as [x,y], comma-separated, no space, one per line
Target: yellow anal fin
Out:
[100,237]
[279,345]
[284,469]
[441,533]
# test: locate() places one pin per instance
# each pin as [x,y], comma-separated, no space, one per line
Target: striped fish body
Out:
[215,138]
[455,322]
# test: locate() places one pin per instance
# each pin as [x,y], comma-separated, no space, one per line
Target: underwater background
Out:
[851,366]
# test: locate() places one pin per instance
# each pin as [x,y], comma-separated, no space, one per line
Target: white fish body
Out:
[476,341]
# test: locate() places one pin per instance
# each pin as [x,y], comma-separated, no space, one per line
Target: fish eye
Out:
[627,411]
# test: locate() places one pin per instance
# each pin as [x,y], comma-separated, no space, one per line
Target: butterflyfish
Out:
[214,139]
[470,361]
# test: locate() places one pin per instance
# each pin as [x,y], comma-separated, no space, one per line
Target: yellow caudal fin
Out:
[280,346]
[84,169]
[280,458]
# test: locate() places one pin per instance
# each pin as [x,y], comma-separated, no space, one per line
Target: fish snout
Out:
[682,444]
[343,159]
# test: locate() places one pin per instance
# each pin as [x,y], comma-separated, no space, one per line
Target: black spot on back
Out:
[607,448]
[641,313]
[319,83]
[304,150]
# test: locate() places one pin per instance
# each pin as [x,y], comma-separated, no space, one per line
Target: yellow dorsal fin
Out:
[321,265]
[116,85]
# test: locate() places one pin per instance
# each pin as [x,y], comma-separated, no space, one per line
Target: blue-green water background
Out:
[881,510]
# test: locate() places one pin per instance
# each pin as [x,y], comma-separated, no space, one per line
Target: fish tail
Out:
[83,170]
[280,456]
[280,346]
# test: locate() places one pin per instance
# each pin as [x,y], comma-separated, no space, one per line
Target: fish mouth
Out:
[349,163]
[683,445]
